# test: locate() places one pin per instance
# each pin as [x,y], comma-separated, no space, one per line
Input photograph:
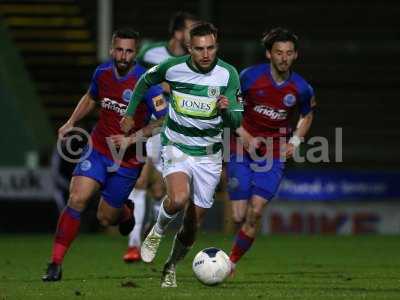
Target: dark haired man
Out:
[271,93]
[105,165]
[203,97]
[150,55]
[179,28]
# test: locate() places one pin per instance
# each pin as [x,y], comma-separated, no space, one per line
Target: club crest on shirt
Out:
[86,165]
[126,95]
[213,91]
[289,100]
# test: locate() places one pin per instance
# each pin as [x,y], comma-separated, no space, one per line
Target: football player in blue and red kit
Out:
[271,94]
[108,164]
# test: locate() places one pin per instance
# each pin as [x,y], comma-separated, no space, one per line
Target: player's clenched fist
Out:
[126,123]
[288,150]
[63,130]
[222,102]
[122,141]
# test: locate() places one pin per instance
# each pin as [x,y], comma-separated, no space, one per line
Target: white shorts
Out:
[153,150]
[204,172]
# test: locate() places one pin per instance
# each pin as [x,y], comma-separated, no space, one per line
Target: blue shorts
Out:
[249,177]
[115,184]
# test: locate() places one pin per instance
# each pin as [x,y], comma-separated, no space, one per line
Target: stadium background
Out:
[348,52]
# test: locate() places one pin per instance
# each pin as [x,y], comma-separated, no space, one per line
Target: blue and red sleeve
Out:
[156,101]
[94,85]
[306,93]
[154,97]
[250,75]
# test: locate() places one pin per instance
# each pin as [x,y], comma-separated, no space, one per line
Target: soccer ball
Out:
[211,266]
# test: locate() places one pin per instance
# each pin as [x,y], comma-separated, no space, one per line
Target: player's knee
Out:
[238,219]
[104,220]
[141,183]
[256,213]
[77,201]
[178,200]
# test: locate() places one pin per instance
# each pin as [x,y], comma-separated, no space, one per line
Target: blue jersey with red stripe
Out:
[269,106]
[114,93]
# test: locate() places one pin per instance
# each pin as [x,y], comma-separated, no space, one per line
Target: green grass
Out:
[278,267]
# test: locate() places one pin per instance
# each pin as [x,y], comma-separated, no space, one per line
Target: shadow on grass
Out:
[87,278]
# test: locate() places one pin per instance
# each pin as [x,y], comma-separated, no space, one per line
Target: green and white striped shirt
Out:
[194,124]
[154,53]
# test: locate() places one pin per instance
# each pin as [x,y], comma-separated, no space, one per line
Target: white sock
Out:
[138,197]
[163,220]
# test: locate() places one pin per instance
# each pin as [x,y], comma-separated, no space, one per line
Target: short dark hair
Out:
[278,34]
[178,19]
[204,28]
[125,33]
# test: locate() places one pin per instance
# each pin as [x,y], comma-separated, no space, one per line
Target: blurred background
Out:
[349,52]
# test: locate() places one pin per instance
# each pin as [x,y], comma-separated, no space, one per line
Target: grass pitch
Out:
[278,267]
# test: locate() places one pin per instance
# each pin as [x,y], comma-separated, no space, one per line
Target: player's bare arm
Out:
[302,128]
[84,107]
[123,141]
[127,123]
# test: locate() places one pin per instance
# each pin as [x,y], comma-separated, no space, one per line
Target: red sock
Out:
[67,230]
[241,245]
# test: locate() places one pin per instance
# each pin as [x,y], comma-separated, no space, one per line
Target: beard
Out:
[283,67]
[122,66]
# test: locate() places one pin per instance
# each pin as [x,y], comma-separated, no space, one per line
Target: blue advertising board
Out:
[338,185]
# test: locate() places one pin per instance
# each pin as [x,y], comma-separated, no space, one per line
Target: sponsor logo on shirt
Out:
[273,114]
[195,105]
[113,105]
[289,100]
[159,102]
[153,69]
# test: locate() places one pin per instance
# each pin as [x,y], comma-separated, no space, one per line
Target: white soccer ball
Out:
[211,266]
